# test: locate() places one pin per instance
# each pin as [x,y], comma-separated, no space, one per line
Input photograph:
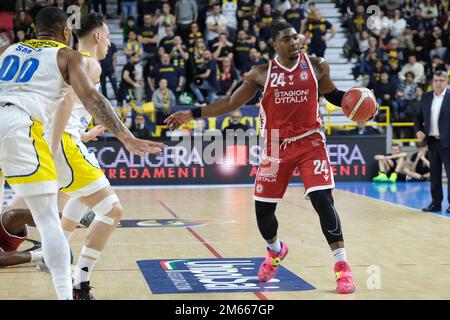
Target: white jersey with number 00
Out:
[30,77]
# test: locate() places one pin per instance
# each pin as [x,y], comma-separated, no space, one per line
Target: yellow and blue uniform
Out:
[79,173]
[31,87]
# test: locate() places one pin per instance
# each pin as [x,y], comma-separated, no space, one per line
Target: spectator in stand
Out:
[4,39]
[129,26]
[391,166]
[25,5]
[438,50]
[229,10]
[376,71]
[222,48]
[102,3]
[133,46]
[415,67]
[149,38]
[406,92]
[385,91]
[368,58]
[317,28]
[280,7]
[20,36]
[406,40]
[397,24]
[418,22]
[380,22]
[61,4]
[392,5]
[23,22]
[138,128]
[215,23]
[295,16]
[129,9]
[242,52]
[423,45]
[164,99]
[228,78]
[166,70]
[408,9]
[246,10]
[393,56]
[164,20]
[194,34]
[409,114]
[235,124]
[264,21]
[179,56]
[265,50]
[186,13]
[420,165]
[206,78]
[430,11]
[109,71]
[363,130]
[167,41]
[363,41]
[439,34]
[436,64]
[128,82]
[249,31]
[84,7]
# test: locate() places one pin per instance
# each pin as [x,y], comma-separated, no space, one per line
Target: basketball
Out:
[359,104]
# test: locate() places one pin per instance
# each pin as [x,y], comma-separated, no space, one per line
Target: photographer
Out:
[206,78]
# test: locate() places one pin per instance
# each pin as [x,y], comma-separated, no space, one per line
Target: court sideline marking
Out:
[260,295]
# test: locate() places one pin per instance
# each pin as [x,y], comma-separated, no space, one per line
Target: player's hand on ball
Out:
[174,121]
[141,147]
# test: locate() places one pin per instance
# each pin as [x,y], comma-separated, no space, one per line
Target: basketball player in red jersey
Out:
[291,126]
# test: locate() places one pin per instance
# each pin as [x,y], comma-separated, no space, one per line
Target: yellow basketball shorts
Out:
[25,156]
[79,174]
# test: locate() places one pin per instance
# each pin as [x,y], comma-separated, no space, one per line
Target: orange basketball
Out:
[359,104]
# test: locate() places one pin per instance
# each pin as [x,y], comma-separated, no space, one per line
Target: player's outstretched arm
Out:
[100,108]
[241,96]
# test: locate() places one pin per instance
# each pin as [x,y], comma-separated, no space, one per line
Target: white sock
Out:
[85,265]
[276,246]
[36,255]
[68,234]
[340,255]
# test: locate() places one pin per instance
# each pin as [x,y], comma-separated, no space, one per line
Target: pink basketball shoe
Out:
[271,264]
[344,278]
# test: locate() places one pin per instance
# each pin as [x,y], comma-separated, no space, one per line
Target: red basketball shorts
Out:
[9,242]
[308,154]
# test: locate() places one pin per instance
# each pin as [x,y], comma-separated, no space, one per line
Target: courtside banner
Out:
[189,161]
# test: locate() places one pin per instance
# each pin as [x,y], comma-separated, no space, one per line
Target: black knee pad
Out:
[323,203]
[265,217]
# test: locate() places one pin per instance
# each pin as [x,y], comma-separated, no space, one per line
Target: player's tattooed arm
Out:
[97,105]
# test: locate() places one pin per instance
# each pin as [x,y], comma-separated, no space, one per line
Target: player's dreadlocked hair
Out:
[89,23]
[278,26]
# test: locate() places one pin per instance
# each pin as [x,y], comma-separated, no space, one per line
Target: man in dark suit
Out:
[432,123]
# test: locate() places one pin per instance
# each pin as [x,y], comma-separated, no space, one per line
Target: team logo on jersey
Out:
[303,65]
[259,188]
[291,77]
[84,122]
[303,75]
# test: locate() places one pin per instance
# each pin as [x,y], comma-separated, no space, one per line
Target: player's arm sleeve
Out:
[326,85]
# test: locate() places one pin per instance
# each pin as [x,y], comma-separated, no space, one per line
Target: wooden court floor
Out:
[410,249]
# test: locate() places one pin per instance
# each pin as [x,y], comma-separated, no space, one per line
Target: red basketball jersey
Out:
[290,99]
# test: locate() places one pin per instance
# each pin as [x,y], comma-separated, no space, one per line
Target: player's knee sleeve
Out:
[106,206]
[74,210]
[266,219]
[54,245]
[323,203]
